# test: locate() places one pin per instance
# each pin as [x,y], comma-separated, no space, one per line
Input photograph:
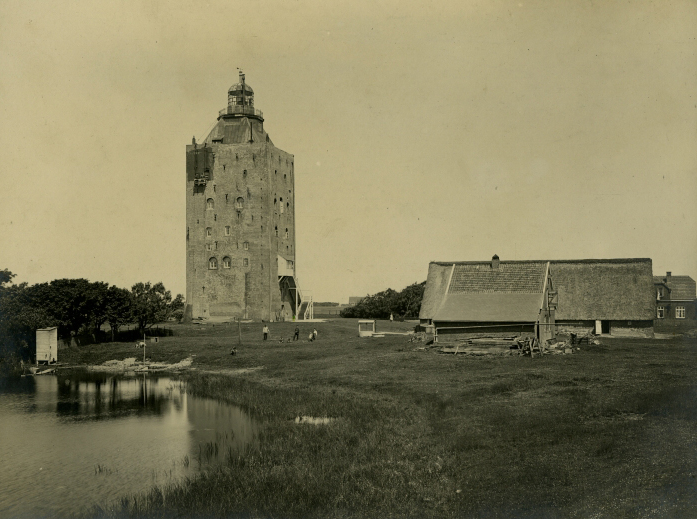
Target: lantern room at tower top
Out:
[240,102]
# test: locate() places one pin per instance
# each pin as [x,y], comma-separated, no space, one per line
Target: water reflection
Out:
[103,436]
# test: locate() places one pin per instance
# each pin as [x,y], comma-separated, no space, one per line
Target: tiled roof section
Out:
[513,277]
[681,287]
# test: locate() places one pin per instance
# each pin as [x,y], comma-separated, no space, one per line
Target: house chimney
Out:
[495,262]
[668,274]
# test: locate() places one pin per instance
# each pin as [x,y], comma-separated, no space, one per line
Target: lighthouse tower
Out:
[240,218]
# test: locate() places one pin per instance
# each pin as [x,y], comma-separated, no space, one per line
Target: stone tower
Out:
[240,218]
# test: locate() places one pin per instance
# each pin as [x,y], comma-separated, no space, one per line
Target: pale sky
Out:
[421,131]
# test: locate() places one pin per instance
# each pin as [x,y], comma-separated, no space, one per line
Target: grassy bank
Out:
[610,431]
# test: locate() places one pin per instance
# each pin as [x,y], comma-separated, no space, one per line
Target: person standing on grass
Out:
[314,334]
[266,332]
[296,336]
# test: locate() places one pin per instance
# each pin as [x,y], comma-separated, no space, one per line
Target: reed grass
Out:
[608,432]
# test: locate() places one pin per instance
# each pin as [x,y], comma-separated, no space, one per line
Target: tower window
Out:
[212,263]
[284,176]
[239,215]
[209,232]
[216,245]
[214,188]
[226,195]
[286,233]
[249,194]
[209,246]
[281,205]
[288,205]
[245,245]
[276,231]
[215,217]
[226,262]
[227,230]
[245,262]
[239,203]
[275,172]
[236,156]
[244,174]
[210,204]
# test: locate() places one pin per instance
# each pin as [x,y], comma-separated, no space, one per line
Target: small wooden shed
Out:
[47,345]
[366,328]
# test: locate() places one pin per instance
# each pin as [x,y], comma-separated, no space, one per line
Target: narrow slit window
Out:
[245,262]
[245,245]
[209,232]
[227,230]
[281,205]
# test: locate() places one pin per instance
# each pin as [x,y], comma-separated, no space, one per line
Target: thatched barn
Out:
[613,296]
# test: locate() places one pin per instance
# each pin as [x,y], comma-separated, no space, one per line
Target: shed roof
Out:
[477,291]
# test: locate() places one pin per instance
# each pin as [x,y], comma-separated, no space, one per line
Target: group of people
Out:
[296,334]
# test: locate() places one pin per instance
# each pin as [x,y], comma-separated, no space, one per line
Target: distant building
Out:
[613,296]
[240,218]
[354,300]
[675,298]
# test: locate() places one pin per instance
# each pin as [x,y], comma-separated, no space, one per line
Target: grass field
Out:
[610,431]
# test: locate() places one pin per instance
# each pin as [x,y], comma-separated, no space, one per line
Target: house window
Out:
[239,203]
[227,230]
[659,294]
[245,245]
[210,204]
[209,232]
[212,263]
[226,262]
[245,262]
[680,312]
[289,264]
[660,312]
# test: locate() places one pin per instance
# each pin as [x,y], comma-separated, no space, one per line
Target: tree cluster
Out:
[78,306]
[402,305]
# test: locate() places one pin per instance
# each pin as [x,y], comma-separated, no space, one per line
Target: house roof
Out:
[612,289]
[681,287]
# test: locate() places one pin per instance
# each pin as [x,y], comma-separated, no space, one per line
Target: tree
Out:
[406,303]
[5,277]
[118,309]
[153,304]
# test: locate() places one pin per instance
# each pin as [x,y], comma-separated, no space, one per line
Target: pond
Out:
[71,441]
